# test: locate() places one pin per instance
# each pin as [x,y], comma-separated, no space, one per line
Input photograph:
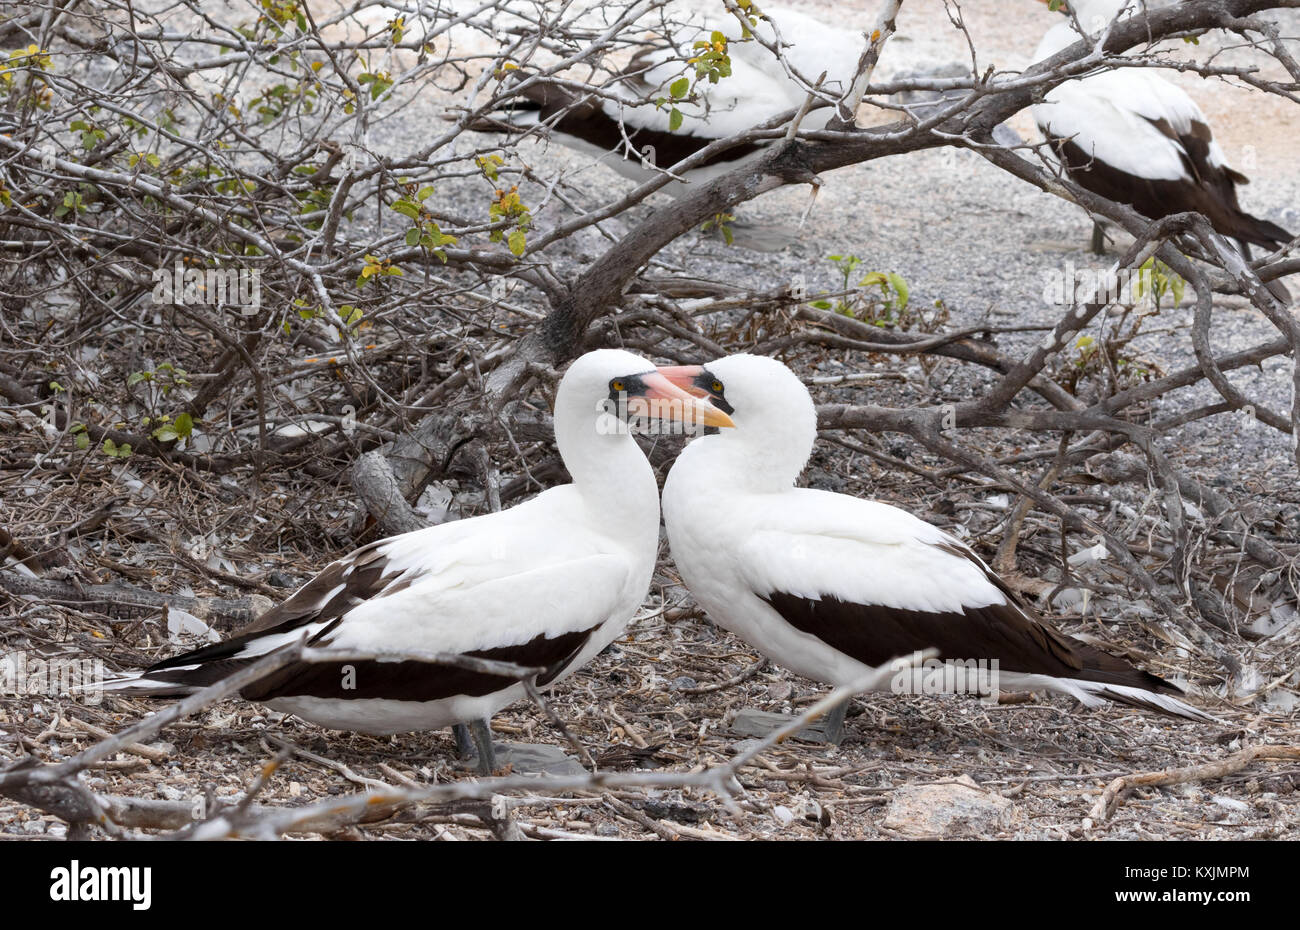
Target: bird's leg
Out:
[1098,239]
[487,757]
[833,723]
[464,747]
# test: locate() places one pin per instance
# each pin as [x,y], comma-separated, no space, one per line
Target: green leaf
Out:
[679,87]
[674,120]
[407,208]
[113,450]
[413,237]
[184,425]
[1176,284]
[517,242]
[900,286]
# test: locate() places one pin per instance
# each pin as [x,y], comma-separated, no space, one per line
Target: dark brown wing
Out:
[1012,633]
[1211,190]
[414,680]
[360,576]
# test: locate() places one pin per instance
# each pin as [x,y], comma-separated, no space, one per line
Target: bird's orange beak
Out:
[669,401]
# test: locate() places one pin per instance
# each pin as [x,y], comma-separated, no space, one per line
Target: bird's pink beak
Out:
[684,377]
[668,401]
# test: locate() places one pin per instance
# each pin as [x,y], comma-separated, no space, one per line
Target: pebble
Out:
[942,810]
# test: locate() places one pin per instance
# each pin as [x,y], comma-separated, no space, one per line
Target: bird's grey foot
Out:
[487,757]
[464,745]
[1098,239]
[833,725]
[758,237]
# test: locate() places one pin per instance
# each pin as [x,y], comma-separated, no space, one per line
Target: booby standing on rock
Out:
[1133,137]
[546,584]
[830,585]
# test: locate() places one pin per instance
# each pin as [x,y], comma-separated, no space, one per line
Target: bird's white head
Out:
[1094,15]
[776,422]
[597,395]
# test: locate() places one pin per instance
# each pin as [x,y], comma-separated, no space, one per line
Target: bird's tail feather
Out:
[1096,693]
[1262,232]
[139,684]
[519,118]
[1148,692]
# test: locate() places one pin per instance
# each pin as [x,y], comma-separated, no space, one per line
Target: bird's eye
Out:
[716,386]
[618,386]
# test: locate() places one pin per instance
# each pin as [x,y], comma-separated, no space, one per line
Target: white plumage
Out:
[829,585]
[1134,137]
[759,88]
[548,583]
[1113,115]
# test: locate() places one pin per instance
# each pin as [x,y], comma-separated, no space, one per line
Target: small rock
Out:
[944,810]
[813,812]
[780,691]
[751,722]
[783,814]
[1231,804]
[537,759]
[685,681]
[605,828]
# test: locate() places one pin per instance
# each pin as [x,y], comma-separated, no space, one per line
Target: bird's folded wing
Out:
[877,600]
[892,571]
[1148,95]
[716,111]
[541,618]
[1112,132]
[473,564]
[573,595]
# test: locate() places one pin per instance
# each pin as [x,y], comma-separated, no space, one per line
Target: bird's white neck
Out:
[731,462]
[1092,15]
[608,468]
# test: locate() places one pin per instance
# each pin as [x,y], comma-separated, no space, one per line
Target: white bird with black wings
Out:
[629,118]
[546,584]
[831,586]
[1135,137]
